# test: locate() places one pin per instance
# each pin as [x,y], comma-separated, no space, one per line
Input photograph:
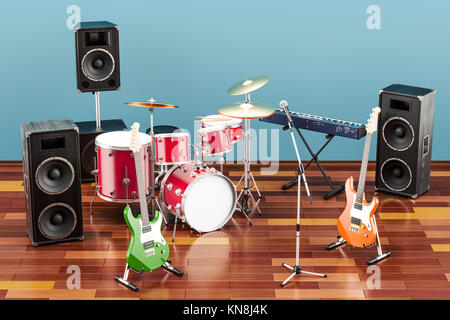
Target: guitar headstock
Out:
[135,144]
[372,123]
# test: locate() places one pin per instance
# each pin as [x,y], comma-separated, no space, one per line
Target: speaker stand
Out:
[97,110]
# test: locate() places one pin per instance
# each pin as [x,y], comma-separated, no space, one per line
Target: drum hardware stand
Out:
[314,158]
[246,191]
[296,269]
[381,256]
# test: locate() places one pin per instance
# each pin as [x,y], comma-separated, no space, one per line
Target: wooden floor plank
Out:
[241,261]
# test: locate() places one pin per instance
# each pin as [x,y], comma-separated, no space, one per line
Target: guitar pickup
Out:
[146,229]
[358,206]
[149,244]
[356,221]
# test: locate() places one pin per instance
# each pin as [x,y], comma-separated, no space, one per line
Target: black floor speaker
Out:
[51,170]
[405,136]
[88,132]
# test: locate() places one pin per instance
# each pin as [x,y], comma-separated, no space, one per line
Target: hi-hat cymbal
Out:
[151,105]
[243,110]
[248,85]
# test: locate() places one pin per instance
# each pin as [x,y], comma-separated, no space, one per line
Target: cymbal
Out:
[151,105]
[246,110]
[248,85]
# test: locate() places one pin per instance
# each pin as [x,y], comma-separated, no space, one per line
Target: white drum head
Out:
[220,120]
[209,202]
[119,140]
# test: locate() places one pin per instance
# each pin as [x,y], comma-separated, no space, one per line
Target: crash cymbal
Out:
[150,105]
[248,85]
[246,110]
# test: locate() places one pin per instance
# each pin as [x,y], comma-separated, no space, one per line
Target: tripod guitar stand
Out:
[296,269]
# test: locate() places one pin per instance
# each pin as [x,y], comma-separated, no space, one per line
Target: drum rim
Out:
[218,127]
[105,146]
[190,186]
[172,135]
[226,121]
[106,198]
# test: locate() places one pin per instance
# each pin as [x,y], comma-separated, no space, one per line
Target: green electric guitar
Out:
[148,249]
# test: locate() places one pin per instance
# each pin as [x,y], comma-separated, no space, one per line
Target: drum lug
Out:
[169,186]
[111,154]
[178,192]
[126,181]
[133,194]
[94,172]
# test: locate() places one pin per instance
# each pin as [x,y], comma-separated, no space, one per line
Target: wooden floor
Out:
[241,261]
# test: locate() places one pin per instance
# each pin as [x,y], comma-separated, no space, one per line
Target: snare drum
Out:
[235,126]
[200,196]
[172,148]
[215,140]
[117,180]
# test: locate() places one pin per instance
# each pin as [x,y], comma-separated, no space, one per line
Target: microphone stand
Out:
[296,269]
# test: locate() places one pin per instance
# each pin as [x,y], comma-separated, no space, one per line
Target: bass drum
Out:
[201,196]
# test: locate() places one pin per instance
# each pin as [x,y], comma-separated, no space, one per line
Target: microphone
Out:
[284,106]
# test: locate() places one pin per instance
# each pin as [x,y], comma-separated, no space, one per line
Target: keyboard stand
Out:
[315,158]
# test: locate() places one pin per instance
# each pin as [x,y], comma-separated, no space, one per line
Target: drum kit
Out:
[200,196]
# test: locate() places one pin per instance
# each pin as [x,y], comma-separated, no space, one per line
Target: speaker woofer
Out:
[55,175]
[98,64]
[396,174]
[57,221]
[398,134]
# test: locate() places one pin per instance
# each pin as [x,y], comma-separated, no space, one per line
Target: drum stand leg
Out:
[160,210]
[124,280]
[175,226]
[93,199]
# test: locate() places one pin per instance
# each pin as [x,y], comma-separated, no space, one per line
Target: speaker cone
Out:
[396,174]
[55,175]
[98,64]
[398,134]
[57,221]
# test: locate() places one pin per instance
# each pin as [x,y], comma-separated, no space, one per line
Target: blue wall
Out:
[319,55]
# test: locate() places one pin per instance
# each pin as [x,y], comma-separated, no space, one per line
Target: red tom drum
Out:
[172,148]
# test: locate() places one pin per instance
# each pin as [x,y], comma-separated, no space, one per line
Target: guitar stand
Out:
[315,158]
[124,280]
[381,256]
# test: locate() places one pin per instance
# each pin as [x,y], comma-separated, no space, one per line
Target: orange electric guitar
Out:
[357,223]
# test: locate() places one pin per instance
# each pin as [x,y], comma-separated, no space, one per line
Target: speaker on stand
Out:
[51,171]
[405,135]
[98,69]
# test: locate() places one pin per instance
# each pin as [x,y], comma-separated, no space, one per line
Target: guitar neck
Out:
[141,190]
[363,172]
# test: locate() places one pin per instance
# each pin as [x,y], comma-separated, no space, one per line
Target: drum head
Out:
[215,120]
[209,202]
[119,140]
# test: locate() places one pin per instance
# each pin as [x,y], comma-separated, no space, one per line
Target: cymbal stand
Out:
[248,178]
[296,269]
[153,199]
